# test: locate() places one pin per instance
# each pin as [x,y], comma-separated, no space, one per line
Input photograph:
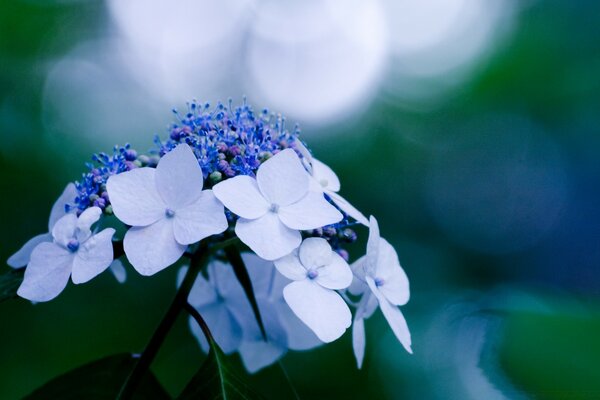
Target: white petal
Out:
[311,212]
[118,270]
[21,257]
[179,178]
[202,218]
[223,326]
[202,292]
[282,179]
[358,285]
[303,150]
[325,176]
[263,275]
[290,267]
[47,273]
[85,221]
[267,236]
[358,340]
[299,336]
[322,310]
[335,275]
[395,285]
[348,208]
[257,355]
[64,229]
[393,316]
[93,256]
[314,253]
[370,265]
[152,248]
[134,197]
[242,196]
[58,209]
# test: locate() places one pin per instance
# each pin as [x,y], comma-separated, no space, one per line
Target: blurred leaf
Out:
[553,356]
[9,283]
[216,380]
[241,273]
[101,379]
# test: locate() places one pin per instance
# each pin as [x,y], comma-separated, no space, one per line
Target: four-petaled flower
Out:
[275,206]
[167,209]
[75,252]
[317,272]
[380,279]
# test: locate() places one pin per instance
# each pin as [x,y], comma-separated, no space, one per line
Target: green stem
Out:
[198,261]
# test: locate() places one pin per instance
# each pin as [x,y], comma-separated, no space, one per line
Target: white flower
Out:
[324,180]
[275,206]
[317,272]
[75,252]
[21,257]
[223,304]
[167,209]
[284,330]
[381,279]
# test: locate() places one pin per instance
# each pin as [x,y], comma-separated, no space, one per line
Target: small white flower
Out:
[75,252]
[224,305]
[323,179]
[22,256]
[317,272]
[275,206]
[167,209]
[380,279]
[284,330]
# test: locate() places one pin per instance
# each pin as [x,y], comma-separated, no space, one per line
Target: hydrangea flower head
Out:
[227,186]
[75,252]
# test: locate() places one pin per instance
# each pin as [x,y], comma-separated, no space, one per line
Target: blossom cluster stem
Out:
[198,261]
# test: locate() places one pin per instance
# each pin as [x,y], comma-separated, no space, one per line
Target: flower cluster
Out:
[227,174]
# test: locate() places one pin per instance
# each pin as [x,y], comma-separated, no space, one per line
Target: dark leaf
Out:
[101,379]
[241,273]
[216,380]
[9,283]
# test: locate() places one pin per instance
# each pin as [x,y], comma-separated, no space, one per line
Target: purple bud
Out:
[130,155]
[344,254]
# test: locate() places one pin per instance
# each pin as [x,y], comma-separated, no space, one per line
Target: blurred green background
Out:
[476,146]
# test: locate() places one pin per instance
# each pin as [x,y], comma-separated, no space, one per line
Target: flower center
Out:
[379,282]
[274,208]
[312,274]
[169,213]
[73,245]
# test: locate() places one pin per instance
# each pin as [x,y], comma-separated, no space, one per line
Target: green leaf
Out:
[241,273]
[9,283]
[99,380]
[216,380]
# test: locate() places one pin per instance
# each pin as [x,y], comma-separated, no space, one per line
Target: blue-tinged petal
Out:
[348,208]
[93,257]
[322,310]
[64,229]
[134,197]
[311,212]
[152,248]
[282,179]
[393,316]
[47,273]
[267,236]
[202,218]
[358,340]
[242,196]
[179,177]
[22,256]
[118,270]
